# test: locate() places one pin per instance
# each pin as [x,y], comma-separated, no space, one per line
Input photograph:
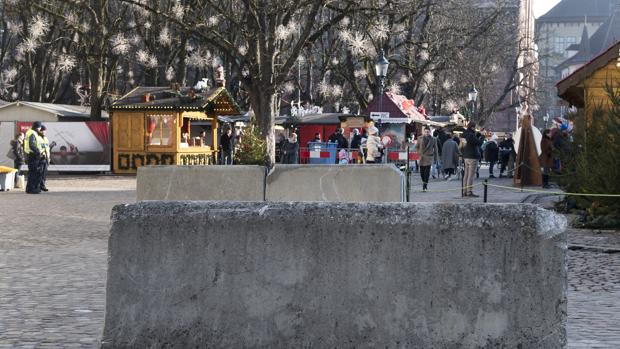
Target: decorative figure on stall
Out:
[220,81]
[83,92]
[527,171]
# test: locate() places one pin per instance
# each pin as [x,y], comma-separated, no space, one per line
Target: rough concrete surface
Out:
[239,183]
[336,183]
[325,275]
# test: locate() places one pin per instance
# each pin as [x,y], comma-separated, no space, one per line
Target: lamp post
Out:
[381,68]
[473,97]
[518,110]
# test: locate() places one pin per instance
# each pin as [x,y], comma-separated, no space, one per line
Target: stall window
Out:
[195,130]
[159,129]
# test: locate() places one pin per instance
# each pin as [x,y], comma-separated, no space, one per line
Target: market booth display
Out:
[77,143]
[167,126]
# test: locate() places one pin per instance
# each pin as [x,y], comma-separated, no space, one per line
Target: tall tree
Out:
[261,38]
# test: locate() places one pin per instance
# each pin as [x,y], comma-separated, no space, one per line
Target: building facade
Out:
[559,35]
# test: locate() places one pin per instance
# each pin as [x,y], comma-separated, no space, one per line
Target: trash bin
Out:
[7,178]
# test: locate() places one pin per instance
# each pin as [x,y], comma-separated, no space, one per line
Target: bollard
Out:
[408,178]
[463,181]
[486,189]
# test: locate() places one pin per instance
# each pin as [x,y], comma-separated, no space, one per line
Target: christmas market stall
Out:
[167,126]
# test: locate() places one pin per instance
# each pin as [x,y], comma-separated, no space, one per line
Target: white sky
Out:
[542,6]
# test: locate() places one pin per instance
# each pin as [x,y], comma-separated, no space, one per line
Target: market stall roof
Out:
[62,112]
[322,119]
[396,106]
[215,101]
[571,88]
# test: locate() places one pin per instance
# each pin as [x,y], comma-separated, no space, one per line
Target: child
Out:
[343,155]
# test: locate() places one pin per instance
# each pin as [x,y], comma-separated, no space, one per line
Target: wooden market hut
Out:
[163,126]
[586,87]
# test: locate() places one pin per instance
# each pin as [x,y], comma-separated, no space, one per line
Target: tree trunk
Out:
[263,104]
[96,90]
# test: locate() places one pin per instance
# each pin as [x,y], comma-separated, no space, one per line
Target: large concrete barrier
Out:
[336,183]
[325,275]
[238,183]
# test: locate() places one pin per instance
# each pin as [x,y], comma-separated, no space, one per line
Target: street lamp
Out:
[473,97]
[518,110]
[381,68]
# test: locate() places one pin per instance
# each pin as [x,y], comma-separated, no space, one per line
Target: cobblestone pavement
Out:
[53,266]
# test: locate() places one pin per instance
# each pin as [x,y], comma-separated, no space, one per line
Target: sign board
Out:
[356,122]
[77,146]
[379,115]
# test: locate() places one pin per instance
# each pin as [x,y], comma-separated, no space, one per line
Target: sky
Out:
[542,6]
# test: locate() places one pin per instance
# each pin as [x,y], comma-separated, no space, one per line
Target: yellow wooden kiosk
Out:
[167,126]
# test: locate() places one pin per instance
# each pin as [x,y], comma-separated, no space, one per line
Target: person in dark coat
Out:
[491,154]
[471,156]
[356,141]
[442,137]
[450,158]
[34,153]
[227,144]
[506,155]
[45,160]
[17,147]
[427,148]
[290,150]
[546,156]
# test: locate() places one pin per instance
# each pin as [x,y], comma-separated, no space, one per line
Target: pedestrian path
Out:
[53,268]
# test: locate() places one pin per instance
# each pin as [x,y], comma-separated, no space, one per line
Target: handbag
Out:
[11,154]
[20,181]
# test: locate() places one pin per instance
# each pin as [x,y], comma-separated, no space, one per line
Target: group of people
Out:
[32,148]
[444,150]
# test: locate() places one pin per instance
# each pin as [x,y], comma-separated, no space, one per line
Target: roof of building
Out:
[604,37]
[568,88]
[578,11]
[608,33]
[217,100]
[398,106]
[63,111]
[584,53]
[324,118]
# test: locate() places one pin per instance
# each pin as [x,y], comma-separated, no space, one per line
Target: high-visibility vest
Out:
[27,149]
[45,145]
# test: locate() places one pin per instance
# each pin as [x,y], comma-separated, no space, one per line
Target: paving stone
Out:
[53,267]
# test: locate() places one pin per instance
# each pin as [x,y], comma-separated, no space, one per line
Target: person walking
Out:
[546,156]
[17,149]
[356,141]
[290,150]
[45,159]
[227,145]
[491,154]
[34,151]
[471,154]
[428,155]
[450,158]
[506,150]
[373,146]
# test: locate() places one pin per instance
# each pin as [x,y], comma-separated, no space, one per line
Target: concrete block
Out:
[238,183]
[335,275]
[336,183]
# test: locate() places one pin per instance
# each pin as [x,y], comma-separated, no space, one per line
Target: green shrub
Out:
[592,165]
[252,149]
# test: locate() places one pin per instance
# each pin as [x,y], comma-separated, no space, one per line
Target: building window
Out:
[159,129]
[561,43]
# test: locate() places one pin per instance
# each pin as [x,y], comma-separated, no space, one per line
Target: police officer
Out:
[34,151]
[45,161]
